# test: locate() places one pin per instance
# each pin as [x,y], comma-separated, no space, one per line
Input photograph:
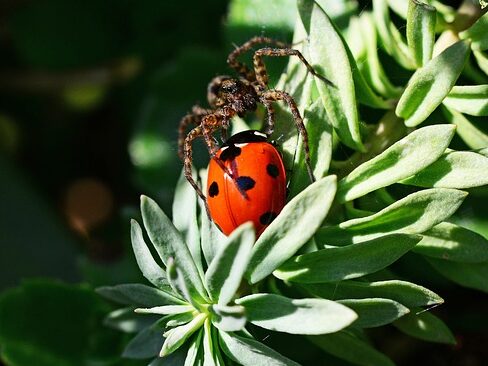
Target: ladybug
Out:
[252,187]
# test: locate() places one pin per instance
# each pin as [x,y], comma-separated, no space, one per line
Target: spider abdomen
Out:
[255,192]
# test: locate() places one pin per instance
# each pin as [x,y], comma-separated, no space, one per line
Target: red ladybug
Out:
[257,189]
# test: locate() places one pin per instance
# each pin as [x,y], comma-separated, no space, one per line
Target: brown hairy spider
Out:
[229,96]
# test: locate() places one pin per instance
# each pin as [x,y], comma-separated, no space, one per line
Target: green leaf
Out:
[330,58]
[454,243]
[249,352]
[224,274]
[185,218]
[430,84]
[425,326]
[212,238]
[228,318]
[138,295]
[166,309]
[413,214]
[346,346]
[211,352]
[293,227]
[482,61]
[148,266]
[300,316]
[320,142]
[370,63]
[193,350]
[127,321]
[472,275]
[477,34]
[375,312]
[469,99]
[454,169]
[352,261]
[406,293]
[472,136]
[392,40]
[401,160]
[420,31]
[46,323]
[177,336]
[147,343]
[168,243]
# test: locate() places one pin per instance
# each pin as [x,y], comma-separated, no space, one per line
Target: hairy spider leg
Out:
[194,118]
[242,68]
[277,95]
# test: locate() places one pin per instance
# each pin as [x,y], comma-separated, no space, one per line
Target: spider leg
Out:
[276,95]
[193,118]
[260,68]
[240,67]
[270,118]
[187,161]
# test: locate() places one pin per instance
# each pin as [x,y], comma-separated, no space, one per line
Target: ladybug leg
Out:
[193,118]
[275,95]
[240,67]
[260,68]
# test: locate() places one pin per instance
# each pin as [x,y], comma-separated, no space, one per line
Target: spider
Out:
[228,97]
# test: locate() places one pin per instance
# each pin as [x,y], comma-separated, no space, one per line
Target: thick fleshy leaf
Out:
[481,60]
[352,261]
[148,266]
[454,169]
[193,350]
[224,274]
[406,293]
[293,227]
[401,160]
[375,312]
[420,31]
[329,56]
[472,136]
[430,84]
[177,336]
[469,99]
[392,40]
[472,275]
[425,326]
[211,237]
[348,347]
[249,352]
[296,316]
[166,309]
[228,318]
[370,64]
[139,295]
[413,214]
[185,218]
[454,243]
[127,321]
[147,342]
[169,243]
[320,142]
[477,33]
[211,352]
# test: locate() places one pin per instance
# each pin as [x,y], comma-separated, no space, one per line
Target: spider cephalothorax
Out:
[228,97]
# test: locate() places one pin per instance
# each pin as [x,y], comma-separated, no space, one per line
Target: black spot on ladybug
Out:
[213,190]
[245,183]
[272,170]
[230,153]
[267,217]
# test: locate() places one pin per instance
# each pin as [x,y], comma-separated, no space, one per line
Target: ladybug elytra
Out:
[252,187]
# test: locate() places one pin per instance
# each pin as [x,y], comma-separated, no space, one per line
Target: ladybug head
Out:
[235,93]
